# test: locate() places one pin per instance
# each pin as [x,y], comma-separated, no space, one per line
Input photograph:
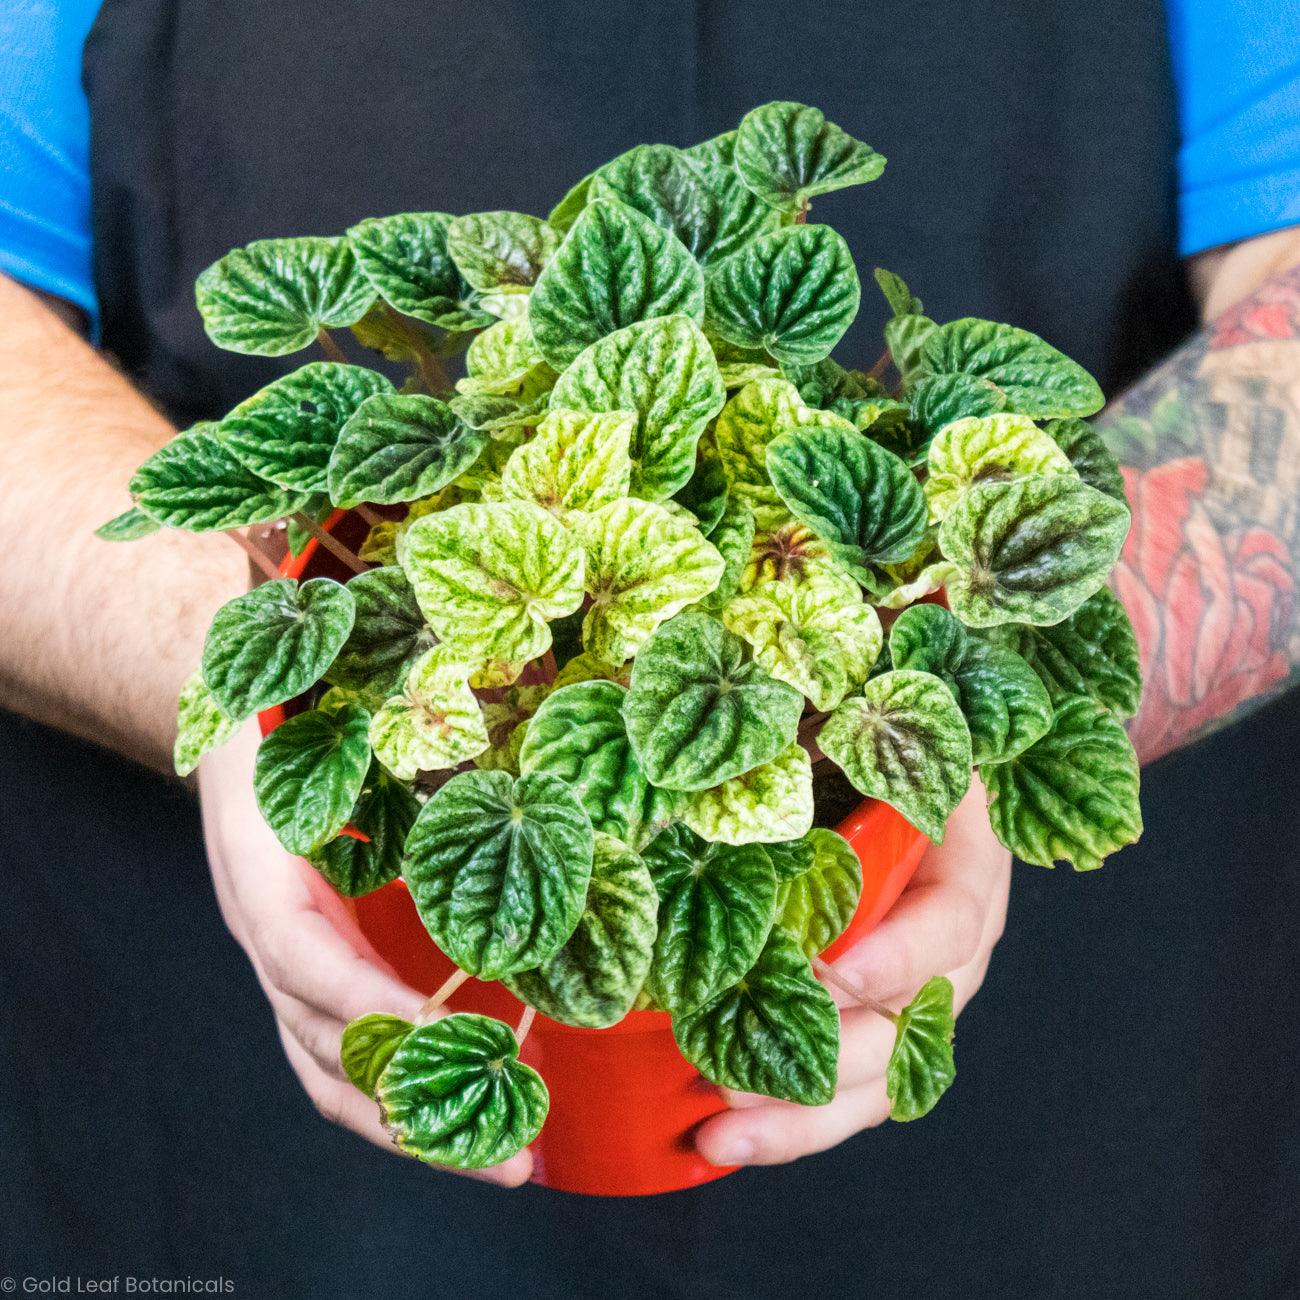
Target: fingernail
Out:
[737,1152]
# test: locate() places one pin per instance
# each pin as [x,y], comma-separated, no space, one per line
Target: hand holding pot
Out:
[946,922]
[314,978]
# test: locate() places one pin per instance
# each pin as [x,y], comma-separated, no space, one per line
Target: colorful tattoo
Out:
[1210,444]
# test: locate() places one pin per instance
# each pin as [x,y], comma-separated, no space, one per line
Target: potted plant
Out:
[594,645]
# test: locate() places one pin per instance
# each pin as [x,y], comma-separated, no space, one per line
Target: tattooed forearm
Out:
[1210,444]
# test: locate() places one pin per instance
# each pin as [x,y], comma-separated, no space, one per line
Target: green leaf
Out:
[904,741]
[368,1045]
[435,723]
[286,433]
[716,906]
[614,268]
[455,1093]
[385,812]
[576,461]
[578,735]
[388,634]
[1073,795]
[861,498]
[766,805]
[816,635]
[1005,705]
[994,449]
[397,447]
[701,202]
[1093,461]
[749,422]
[1036,378]
[906,337]
[488,577]
[195,482]
[405,258]
[936,400]
[273,642]
[504,361]
[791,857]
[776,1031]
[595,978]
[793,292]
[734,539]
[129,526]
[309,774]
[1029,552]
[494,413]
[565,212]
[501,250]
[499,868]
[698,713]
[201,724]
[788,153]
[817,904]
[897,294]
[921,1068]
[664,371]
[643,566]
[1093,652]
[275,295]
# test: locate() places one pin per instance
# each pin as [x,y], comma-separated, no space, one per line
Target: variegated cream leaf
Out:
[766,805]
[502,360]
[816,904]
[201,724]
[576,461]
[751,419]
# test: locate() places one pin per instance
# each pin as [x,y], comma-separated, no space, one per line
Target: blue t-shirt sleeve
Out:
[1237,70]
[44,148]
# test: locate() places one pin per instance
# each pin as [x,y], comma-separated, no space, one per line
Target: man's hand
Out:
[946,923]
[315,979]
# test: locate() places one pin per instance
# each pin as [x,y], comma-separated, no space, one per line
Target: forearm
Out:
[1210,444]
[98,636]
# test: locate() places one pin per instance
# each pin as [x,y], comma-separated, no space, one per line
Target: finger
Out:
[342,1104]
[782,1131]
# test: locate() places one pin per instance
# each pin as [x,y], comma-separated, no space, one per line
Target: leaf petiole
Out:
[525,1024]
[832,976]
[331,544]
[331,349]
[260,559]
[443,992]
[372,517]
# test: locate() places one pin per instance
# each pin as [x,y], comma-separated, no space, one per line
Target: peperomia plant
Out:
[616,621]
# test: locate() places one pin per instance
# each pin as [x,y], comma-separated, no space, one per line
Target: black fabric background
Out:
[1125,1117]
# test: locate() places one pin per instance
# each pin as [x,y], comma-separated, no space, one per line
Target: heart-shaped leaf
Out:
[368,1045]
[455,1093]
[388,634]
[613,269]
[776,1031]
[861,498]
[663,370]
[488,577]
[904,741]
[698,713]
[897,294]
[578,735]
[286,433]
[789,551]
[817,905]
[576,461]
[767,805]
[1030,552]
[1036,378]
[791,857]
[1073,796]
[1093,652]
[504,361]
[936,400]
[405,258]
[499,868]
[195,482]
[788,153]
[792,292]
[734,539]
[749,422]
[716,905]
[201,724]
[1093,461]
[435,723]
[397,447]
[1005,705]
[921,1068]
[309,774]
[497,251]
[273,642]
[643,566]
[384,814]
[993,449]
[129,526]
[816,635]
[595,978]
[275,295]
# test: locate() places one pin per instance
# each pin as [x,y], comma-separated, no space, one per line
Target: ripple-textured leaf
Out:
[576,461]
[385,812]
[388,633]
[368,1045]
[921,1068]
[817,904]
[501,250]
[749,422]
[499,868]
[769,804]
[201,724]
[1093,461]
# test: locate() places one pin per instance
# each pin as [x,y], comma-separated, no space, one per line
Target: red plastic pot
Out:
[623,1100]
